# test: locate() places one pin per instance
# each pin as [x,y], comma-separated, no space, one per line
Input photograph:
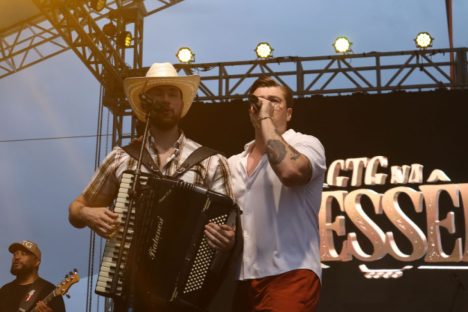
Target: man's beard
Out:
[164,121]
[21,270]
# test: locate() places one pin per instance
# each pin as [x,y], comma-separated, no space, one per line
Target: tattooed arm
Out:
[291,167]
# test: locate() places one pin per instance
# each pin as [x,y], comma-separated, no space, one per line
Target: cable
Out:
[54,138]
[92,235]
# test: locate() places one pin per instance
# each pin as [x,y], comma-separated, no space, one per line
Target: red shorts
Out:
[294,291]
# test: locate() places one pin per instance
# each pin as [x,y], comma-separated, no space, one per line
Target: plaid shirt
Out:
[212,173]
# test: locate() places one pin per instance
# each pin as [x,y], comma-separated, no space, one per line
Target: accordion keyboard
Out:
[106,285]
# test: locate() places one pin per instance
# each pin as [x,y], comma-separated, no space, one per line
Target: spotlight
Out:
[185,55]
[109,29]
[423,40]
[342,45]
[264,50]
[124,39]
[97,5]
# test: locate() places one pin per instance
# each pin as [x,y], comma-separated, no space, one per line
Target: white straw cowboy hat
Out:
[160,74]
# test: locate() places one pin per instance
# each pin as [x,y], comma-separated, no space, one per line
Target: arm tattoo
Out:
[276,151]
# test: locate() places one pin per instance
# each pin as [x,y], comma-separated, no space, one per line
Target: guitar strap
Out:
[200,154]
[31,297]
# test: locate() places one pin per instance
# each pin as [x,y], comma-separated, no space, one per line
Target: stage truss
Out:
[332,75]
[34,38]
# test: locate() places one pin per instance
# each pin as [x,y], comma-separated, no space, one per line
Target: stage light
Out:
[124,39]
[423,40]
[185,55]
[342,45]
[109,29]
[264,50]
[97,5]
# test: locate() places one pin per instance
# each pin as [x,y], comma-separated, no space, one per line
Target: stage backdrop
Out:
[394,215]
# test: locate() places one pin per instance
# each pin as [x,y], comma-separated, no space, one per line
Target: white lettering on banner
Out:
[424,200]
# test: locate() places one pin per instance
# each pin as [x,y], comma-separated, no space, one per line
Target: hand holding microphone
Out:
[262,107]
[255,102]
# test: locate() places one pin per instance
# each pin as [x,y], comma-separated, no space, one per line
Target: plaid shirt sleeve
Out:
[219,176]
[104,184]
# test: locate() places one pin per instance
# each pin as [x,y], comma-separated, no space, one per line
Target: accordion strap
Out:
[200,154]
[197,156]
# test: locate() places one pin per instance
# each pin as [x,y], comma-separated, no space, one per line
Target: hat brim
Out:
[17,246]
[133,86]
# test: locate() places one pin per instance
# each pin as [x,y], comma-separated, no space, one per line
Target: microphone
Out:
[149,104]
[255,101]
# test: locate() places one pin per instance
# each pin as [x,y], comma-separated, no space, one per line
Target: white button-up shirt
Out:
[280,223]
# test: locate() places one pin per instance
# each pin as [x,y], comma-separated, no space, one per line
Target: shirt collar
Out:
[178,145]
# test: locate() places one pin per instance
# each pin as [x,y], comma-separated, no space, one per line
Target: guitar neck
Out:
[62,288]
[47,299]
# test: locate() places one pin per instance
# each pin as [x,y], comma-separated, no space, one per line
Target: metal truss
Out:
[332,75]
[36,39]
[375,72]
[84,36]
[32,41]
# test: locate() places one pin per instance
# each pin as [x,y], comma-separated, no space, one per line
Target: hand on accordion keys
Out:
[220,237]
[101,220]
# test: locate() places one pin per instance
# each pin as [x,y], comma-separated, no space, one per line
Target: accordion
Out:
[160,254]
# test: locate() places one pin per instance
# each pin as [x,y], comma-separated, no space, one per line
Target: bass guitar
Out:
[62,288]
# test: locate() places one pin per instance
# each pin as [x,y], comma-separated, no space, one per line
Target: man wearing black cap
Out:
[28,289]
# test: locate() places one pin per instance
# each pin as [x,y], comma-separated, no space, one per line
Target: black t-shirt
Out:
[12,294]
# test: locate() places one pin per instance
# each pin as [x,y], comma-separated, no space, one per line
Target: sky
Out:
[59,97]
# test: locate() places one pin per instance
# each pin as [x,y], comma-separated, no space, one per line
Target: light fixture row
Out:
[341,45]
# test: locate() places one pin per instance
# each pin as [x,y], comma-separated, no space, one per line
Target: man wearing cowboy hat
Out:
[170,97]
[26,291]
